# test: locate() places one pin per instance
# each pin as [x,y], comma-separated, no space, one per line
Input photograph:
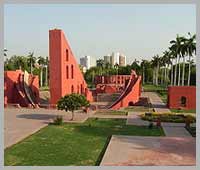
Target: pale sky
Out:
[138,31]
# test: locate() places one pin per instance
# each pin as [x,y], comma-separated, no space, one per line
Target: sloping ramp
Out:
[28,90]
[130,95]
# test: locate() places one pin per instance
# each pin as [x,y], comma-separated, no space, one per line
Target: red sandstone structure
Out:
[111,84]
[65,75]
[182,97]
[21,88]
[131,93]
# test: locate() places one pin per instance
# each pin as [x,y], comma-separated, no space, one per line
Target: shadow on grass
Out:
[100,157]
[37,116]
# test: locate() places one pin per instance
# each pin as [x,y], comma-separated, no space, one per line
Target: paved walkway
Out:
[170,129]
[175,130]
[149,151]
[20,123]
[109,116]
[156,102]
[134,119]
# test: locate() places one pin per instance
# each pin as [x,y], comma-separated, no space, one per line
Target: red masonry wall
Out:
[176,92]
[11,94]
[65,75]
[131,94]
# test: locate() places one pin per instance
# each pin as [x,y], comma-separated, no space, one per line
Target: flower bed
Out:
[167,117]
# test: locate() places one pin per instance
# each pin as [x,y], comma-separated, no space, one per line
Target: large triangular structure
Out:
[65,74]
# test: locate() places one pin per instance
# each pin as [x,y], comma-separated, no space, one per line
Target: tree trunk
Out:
[165,75]
[172,74]
[31,67]
[41,75]
[153,76]
[143,76]
[189,72]
[175,72]
[72,115]
[157,69]
[179,71]
[183,71]
[46,76]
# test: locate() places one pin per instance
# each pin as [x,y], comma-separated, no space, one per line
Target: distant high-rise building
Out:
[87,62]
[115,58]
[107,59]
[122,60]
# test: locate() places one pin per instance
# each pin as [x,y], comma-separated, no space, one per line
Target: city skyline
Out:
[134,30]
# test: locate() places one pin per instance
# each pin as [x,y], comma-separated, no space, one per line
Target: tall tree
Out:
[191,49]
[143,64]
[41,62]
[31,61]
[176,47]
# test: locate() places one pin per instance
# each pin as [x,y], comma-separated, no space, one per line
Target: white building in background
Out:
[115,58]
[87,62]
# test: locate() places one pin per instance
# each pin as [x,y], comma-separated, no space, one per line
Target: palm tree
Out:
[183,54]
[100,64]
[31,61]
[156,62]
[191,49]
[41,62]
[143,65]
[46,66]
[116,66]
[176,46]
[166,62]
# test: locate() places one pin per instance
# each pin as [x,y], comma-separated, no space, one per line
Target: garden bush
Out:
[58,120]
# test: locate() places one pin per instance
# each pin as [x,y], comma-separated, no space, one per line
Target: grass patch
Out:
[72,144]
[191,130]
[154,88]
[44,88]
[167,117]
[138,109]
[183,111]
[111,112]
[163,96]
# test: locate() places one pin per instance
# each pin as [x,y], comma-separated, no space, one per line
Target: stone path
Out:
[156,102]
[170,129]
[150,151]
[134,119]
[175,129]
[109,116]
[20,123]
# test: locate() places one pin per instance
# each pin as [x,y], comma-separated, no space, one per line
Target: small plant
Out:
[72,102]
[58,120]
[150,125]
[158,122]
[188,120]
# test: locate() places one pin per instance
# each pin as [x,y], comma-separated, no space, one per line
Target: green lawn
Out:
[183,111]
[168,117]
[111,112]
[151,87]
[72,144]
[44,88]
[138,109]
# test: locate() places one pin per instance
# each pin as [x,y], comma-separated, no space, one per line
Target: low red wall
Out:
[11,94]
[176,92]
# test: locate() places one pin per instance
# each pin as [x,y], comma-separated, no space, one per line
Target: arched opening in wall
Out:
[183,101]
[81,89]
[67,72]
[67,55]
[131,104]
[72,71]
[72,89]
[78,89]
